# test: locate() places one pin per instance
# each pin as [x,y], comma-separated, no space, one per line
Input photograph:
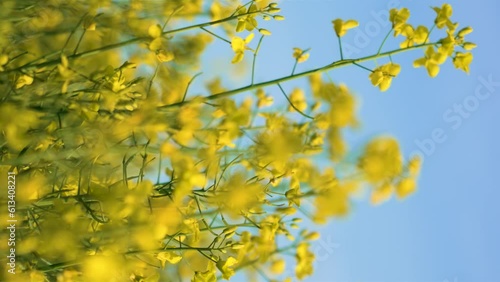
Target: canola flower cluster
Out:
[125,175]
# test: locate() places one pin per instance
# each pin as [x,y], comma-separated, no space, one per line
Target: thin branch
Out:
[217,36]
[334,65]
[255,58]
[291,104]
[189,84]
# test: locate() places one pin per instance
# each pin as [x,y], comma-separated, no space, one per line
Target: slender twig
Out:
[217,36]
[383,41]
[255,58]
[291,104]
[340,48]
[152,79]
[429,34]
[189,84]
[363,67]
[334,65]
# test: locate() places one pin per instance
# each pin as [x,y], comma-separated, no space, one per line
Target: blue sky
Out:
[448,231]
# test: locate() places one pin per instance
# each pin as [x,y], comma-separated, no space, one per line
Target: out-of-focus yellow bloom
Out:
[155,31]
[405,187]
[205,276]
[381,160]
[298,99]
[414,166]
[169,257]
[381,193]
[23,80]
[263,100]
[3,61]
[305,259]
[164,56]
[278,266]
[341,27]
[227,267]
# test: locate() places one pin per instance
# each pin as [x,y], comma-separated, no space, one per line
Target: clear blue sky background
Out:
[448,230]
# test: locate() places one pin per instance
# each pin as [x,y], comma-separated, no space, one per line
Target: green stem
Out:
[255,58]
[340,48]
[383,42]
[291,104]
[217,36]
[429,34]
[189,84]
[294,66]
[334,65]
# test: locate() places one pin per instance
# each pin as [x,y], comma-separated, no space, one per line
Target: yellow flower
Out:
[464,31]
[381,160]
[341,27]
[298,99]
[206,276]
[431,61]
[382,76]
[398,19]
[443,15]
[171,257]
[462,61]
[414,166]
[154,31]
[278,266]
[263,99]
[300,55]
[24,80]
[405,187]
[414,36]
[239,46]
[4,59]
[247,22]
[164,56]
[226,267]
[305,259]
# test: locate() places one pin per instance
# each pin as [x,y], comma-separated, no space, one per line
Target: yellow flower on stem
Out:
[239,46]
[443,15]
[300,55]
[413,36]
[398,19]
[23,80]
[382,76]
[226,267]
[247,22]
[170,257]
[462,61]
[341,27]
[431,61]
